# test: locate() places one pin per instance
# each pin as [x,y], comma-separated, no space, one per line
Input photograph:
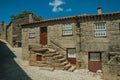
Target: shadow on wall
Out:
[9,69]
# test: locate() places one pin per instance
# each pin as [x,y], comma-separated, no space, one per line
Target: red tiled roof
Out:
[72,17]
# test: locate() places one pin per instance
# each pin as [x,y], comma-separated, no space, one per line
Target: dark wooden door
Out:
[94,61]
[39,58]
[71,55]
[72,60]
[43,36]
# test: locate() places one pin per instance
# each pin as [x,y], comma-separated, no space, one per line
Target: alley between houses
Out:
[13,68]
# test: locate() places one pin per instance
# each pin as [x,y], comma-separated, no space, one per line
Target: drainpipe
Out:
[79,34]
[78,44]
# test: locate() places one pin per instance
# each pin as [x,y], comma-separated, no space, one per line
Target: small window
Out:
[32,32]
[95,56]
[67,29]
[100,30]
[39,58]
[71,53]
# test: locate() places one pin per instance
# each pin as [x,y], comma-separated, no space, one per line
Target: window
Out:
[71,53]
[67,29]
[32,32]
[95,56]
[39,58]
[100,30]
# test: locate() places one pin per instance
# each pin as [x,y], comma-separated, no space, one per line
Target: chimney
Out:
[99,9]
[30,18]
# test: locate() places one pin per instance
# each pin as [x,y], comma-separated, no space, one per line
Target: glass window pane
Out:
[71,53]
[94,56]
[31,35]
[100,29]
[67,29]
[67,26]
[32,32]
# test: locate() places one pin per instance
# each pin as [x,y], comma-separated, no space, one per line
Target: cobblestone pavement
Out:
[13,68]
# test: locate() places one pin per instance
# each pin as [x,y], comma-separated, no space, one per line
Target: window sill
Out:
[100,36]
[31,37]
[66,35]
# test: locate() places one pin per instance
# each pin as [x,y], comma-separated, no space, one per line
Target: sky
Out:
[49,9]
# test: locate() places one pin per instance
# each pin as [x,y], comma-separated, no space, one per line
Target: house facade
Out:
[87,41]
[14,30]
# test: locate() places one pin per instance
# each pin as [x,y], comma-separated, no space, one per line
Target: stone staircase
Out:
[57,56]
[51,59]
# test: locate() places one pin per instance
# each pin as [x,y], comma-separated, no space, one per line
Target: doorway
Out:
[71,55]
[94,61]
[43,35]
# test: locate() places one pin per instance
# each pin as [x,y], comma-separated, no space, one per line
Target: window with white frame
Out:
[71,53]
[100,30]
[32,32]
[67,29]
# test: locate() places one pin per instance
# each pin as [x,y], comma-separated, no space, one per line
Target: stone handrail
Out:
[58,45]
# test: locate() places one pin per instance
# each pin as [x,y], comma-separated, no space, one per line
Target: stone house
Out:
[14,31]
[3,30]
[86,41]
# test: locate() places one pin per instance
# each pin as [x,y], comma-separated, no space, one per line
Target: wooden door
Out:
[71,55]
[39,58]
[43,35]
[94,61]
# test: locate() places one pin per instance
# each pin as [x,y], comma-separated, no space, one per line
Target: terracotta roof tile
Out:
[72,17]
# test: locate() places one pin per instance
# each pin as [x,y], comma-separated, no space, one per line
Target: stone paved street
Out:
[13,68]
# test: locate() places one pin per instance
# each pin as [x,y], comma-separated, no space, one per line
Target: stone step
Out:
[64,63]
[58,56]
[66,67]
[41,50]
[71,69]
[51,50]
[47,55]
[56,53]
[62,59]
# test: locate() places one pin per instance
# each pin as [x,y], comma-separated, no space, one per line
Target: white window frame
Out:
[67,29]
[32,32]
[100,29]
[71,54]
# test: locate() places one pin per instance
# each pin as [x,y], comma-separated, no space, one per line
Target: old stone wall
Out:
[26,41]
[88,40]
[10,35]
[112,70]
[114,36]
[17,28]
[14,31]
[2,30]
[55,34]
[110,43]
